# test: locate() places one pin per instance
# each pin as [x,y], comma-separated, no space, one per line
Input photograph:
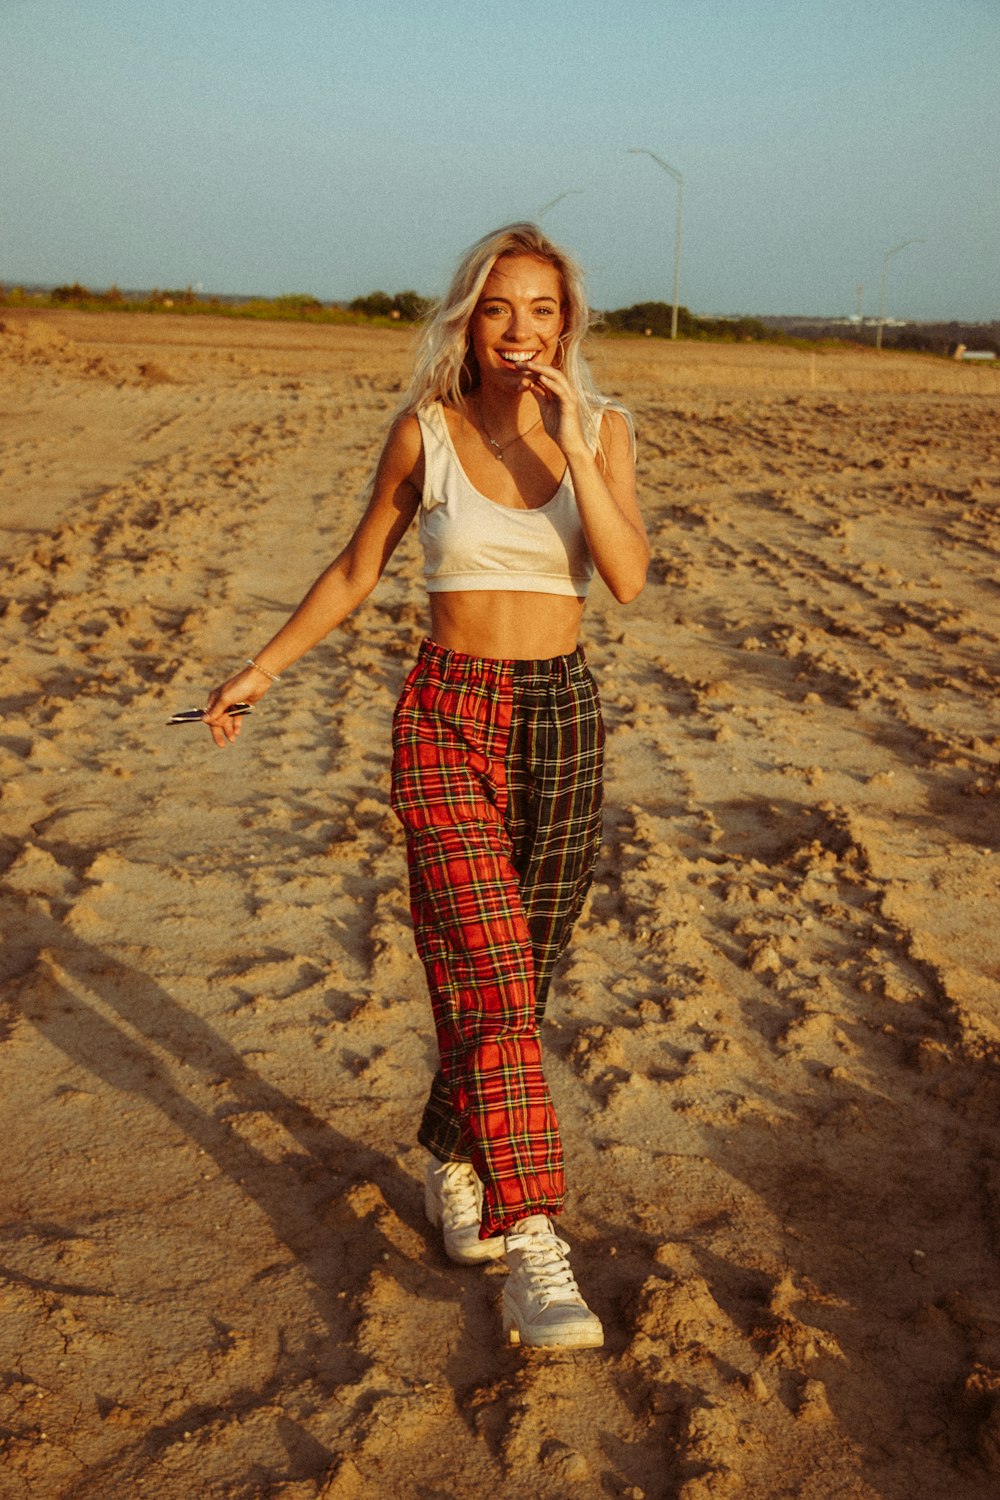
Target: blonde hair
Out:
[446,368]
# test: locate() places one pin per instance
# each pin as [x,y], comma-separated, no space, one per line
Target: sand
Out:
[774,1043]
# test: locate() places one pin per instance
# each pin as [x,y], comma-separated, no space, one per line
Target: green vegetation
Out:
[649,319]
[404,307]
[655,318]
[378,308]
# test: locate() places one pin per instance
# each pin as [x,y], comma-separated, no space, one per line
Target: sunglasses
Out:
[195,715]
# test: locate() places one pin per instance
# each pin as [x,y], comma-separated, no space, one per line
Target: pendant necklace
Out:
[499,449]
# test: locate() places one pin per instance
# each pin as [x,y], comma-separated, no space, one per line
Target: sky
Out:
[334,148]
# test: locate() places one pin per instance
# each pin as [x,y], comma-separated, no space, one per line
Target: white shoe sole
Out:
[582,1337]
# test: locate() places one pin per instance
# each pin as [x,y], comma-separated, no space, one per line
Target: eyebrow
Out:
[499,297]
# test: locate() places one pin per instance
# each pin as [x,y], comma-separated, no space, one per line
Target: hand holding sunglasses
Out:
[196,715]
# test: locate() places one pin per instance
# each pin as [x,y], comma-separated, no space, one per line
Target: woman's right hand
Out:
[248,686]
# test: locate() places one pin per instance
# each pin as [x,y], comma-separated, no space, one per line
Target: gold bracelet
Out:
[257,666]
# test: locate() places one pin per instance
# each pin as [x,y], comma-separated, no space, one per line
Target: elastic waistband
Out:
[458,665]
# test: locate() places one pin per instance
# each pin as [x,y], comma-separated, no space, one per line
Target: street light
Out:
[558,199]
[642,151]
[887,257]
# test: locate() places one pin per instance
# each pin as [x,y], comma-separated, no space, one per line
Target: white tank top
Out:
[472,542]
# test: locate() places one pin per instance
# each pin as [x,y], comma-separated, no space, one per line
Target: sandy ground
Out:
[774,1042]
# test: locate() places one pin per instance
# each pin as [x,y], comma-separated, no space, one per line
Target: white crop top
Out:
[472,542]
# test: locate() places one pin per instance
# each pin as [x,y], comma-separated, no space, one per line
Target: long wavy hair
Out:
[446,368]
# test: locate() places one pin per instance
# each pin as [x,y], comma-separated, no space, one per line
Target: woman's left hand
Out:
[558,404]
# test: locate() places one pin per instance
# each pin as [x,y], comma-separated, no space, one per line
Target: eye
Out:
[493,309]
[545,312]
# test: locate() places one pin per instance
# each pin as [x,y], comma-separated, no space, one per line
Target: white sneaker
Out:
[542,1305]
[453,1200]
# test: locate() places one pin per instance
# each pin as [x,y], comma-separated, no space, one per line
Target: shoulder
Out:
[405,438]
[617,436]
[616,426]
[402,455]
[402,459]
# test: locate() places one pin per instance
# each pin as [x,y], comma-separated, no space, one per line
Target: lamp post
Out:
[678,178]
[887,257]
[557,199]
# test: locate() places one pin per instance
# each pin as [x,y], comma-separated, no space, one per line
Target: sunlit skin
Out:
[532,413]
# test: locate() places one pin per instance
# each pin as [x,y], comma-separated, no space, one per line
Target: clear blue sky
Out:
[334,148]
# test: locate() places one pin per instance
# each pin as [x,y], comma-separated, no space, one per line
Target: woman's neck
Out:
[503,413]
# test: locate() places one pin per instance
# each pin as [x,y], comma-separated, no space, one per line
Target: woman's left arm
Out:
[604,486]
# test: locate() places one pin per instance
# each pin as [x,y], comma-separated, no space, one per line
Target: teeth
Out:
[517,359]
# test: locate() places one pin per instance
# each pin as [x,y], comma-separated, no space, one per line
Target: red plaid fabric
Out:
[496,779]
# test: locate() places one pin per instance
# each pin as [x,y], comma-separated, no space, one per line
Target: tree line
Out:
[651,319]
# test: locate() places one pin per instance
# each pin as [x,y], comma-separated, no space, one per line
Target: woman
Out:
[524,481]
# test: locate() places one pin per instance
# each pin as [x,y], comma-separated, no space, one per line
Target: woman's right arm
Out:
[342,586]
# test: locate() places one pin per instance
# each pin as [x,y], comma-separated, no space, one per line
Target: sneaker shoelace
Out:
[459,1195]
[544,1265]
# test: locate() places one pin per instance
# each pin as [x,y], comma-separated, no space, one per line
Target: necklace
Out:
[500,449]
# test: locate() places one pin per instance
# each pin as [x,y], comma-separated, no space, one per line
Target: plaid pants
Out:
[496,778]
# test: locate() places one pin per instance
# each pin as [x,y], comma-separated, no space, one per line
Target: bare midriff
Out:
[511,626]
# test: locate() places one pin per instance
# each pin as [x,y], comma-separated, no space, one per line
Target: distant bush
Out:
[743,330]
[295,307]
[410,306]
[61,295]
[656,319]
[405,307]
[186,298]
[297,304]
[375,305]
[81,296]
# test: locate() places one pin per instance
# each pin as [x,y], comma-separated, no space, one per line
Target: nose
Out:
[519,328]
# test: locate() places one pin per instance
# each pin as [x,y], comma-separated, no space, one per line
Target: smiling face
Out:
[518,318]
